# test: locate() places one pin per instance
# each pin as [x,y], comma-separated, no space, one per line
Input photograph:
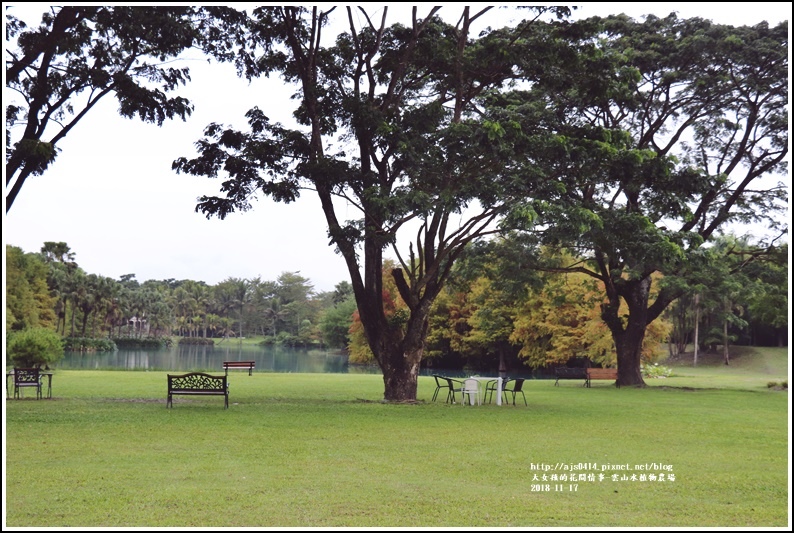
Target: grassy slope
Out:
[749,367]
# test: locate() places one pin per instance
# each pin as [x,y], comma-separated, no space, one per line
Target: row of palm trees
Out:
[91,305]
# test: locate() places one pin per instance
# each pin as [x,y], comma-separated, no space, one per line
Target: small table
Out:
[47,373]
[485,380]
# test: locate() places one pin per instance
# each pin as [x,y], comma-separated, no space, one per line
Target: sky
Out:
[112,197]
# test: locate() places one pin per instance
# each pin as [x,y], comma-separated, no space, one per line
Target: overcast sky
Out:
[112,197]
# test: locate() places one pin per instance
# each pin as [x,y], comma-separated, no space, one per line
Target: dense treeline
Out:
[484,318]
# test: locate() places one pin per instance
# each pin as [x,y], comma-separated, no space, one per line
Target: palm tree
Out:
[232,294]
[76,290]
[58,252]
[184,306]
[200,294]
[161,318]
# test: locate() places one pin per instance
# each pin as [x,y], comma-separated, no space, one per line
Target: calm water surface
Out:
[211,358]
[268,359]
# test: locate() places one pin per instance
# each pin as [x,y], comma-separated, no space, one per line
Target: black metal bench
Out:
[197,384]
[239,364]
[570,373]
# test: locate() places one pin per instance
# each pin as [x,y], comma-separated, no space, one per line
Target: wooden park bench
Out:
[565,372]
[239,364]
[602,373]
[198,384]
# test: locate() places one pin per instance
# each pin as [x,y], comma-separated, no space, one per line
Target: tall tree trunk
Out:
[725,341]
[628,338]
[399,349]
[73,319]
[629,354]
[399,357]
[697,328]
[400,374]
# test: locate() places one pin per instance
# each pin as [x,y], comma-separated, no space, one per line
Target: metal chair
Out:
[491,387]
[455,385]
[441,383]
[27,377]
[471,387]
[517,386]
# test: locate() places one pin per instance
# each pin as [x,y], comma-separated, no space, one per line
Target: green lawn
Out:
[322,450]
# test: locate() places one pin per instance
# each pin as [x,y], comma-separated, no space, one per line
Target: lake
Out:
[189,358]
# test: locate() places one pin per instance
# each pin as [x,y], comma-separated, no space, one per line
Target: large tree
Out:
[668,134]
[388,122]
[77,55]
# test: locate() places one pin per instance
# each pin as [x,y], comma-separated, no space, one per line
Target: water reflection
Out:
[210,358]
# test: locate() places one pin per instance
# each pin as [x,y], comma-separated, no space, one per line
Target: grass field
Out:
[322,450]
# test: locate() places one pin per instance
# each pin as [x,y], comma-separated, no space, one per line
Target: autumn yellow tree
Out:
[563,320]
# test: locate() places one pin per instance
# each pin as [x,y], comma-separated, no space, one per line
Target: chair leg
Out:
[466,399]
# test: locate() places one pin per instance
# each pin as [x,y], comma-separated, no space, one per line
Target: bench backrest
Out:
[196,381]
[26,377]
[569,372]
[605,373]
[246,364]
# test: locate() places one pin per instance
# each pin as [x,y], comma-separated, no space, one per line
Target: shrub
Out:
[143,343]
[34,348]
[655,371]
[87,344]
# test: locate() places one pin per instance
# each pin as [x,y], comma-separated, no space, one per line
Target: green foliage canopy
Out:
[35,348]
[665,130]
[79,54]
